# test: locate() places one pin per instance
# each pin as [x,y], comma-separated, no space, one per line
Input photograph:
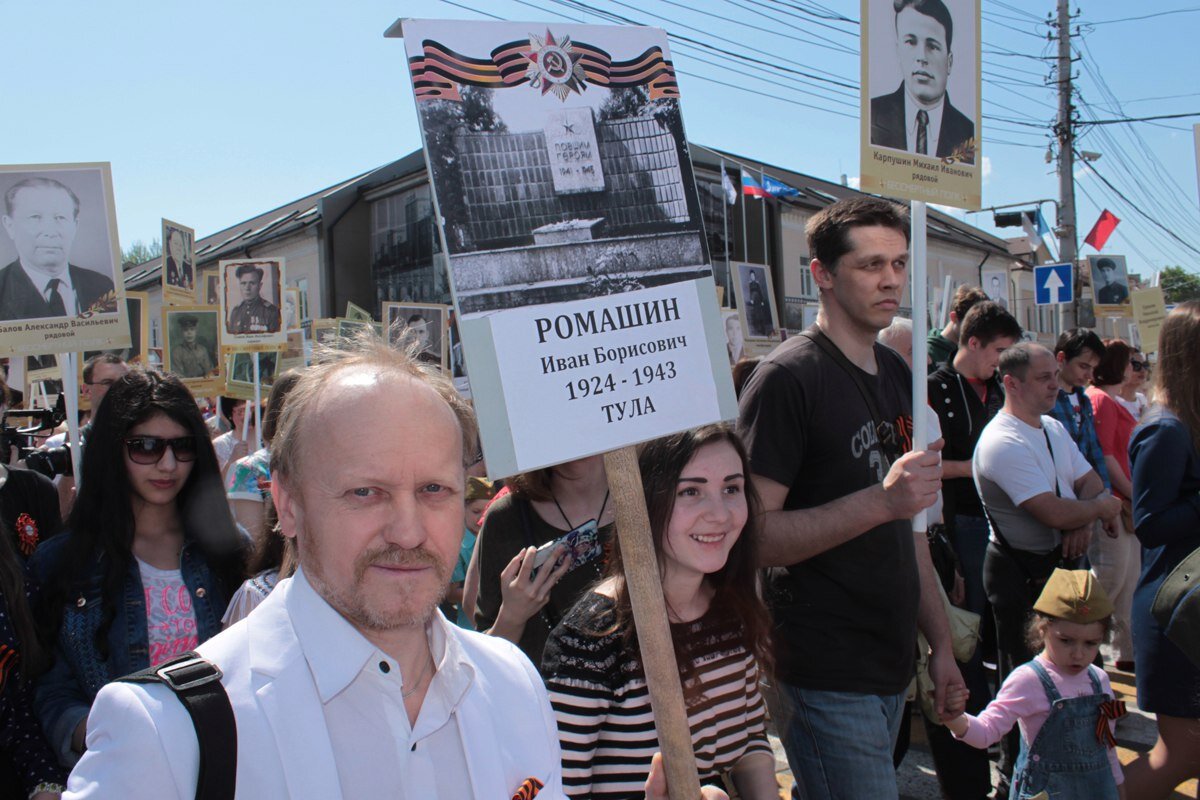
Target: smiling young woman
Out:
[702,513]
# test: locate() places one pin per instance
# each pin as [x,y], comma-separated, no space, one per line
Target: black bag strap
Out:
[197,683]
[818,337]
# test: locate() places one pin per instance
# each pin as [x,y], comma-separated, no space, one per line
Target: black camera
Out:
[25,440]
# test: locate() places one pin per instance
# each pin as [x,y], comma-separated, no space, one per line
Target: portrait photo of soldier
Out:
[252,296]
[178,258]
[1109,280]
[422,323]
[192,343]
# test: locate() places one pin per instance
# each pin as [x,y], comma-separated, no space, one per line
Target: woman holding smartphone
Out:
[703,520]
[541,507]
[149,558]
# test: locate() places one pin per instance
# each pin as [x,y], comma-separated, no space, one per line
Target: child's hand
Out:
[956,701]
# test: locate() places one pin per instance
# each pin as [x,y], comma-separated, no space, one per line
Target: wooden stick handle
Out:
[650,617]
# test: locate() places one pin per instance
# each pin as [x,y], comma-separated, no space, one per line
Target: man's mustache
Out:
[395,556]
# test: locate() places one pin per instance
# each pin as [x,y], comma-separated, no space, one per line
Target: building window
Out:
[405,249]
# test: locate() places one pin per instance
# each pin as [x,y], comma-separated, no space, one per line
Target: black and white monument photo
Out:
[1110,280]
[192,342]
[179,259]
[591,194]
[756,301]
[912,105]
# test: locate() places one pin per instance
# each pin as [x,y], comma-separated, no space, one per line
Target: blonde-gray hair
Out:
[369,350]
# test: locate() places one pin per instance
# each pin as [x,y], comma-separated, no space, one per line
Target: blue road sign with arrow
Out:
[1053,284]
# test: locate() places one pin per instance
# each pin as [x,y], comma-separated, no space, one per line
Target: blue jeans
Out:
[839,744]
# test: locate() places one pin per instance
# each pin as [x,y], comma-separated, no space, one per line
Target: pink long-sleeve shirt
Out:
[1022,699]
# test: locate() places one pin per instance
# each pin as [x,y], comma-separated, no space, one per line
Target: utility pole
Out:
[1064,130]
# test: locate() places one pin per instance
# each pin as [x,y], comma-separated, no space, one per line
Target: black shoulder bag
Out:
[1035,567]
[197,683]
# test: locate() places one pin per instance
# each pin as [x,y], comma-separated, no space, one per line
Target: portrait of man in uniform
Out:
[1110,281]
[918,116]
[192,354]
[254,314]
[179,258]
[41,218]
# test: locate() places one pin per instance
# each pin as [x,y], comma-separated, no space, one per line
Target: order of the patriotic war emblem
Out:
[554,66]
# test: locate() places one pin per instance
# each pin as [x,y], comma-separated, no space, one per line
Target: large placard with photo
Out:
[921,101]
[60,287]
[580,273]
[251,295]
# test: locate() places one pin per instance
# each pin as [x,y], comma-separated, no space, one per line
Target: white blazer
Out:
[142,744]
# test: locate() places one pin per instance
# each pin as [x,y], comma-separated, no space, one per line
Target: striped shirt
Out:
[605,723]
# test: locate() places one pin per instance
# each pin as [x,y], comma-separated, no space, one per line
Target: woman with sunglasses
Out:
[149,558]
[1131,395]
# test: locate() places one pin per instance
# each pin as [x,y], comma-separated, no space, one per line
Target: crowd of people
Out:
[356,609]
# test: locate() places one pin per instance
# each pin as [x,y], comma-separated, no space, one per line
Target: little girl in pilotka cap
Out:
[1063,703]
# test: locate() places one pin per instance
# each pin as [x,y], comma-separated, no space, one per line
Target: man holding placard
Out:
[827,418]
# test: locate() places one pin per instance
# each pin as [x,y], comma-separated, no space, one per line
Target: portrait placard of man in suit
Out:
[918,116]
[41,218]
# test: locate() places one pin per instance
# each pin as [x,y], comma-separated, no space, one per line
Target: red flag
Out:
[1102,230]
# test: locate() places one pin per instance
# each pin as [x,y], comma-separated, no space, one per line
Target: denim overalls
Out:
[1067,760]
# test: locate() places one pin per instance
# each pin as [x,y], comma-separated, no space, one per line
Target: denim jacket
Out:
[1083,433]
[65,693]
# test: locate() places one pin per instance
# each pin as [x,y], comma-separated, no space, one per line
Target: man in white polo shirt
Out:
[1041,497]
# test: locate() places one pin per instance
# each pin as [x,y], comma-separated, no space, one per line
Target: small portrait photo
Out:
[251,295]
[192,343]
[922,77]
[241,368]
[349,328]
[322,331]
[756,301]
[1110,280]
[735,344]
[137,305]
[179,259]
[358,313]
[291,309]
[208,291]
[58,243]
[995,286]
[425,323]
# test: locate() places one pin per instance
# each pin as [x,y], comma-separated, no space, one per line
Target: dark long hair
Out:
[736,584]
[101,523]
[1177,384]
[12,593]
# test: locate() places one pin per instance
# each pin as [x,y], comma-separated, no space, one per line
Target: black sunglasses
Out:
[1138,366]
[150,449]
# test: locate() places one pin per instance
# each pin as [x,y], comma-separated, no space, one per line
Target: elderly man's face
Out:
[925,59]
[377,510]
[250,284]
[42,227]
[175,245]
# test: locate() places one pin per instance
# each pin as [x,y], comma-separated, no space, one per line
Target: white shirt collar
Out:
[337,652]
[911,107]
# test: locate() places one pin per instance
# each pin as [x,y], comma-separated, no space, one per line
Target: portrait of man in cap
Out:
[255,313]
[41,218]
[918,116]
[190,355]
[1108,278]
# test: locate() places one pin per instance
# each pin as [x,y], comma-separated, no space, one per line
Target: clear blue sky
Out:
[213,112]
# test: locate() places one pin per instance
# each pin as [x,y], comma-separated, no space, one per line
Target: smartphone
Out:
[583,545]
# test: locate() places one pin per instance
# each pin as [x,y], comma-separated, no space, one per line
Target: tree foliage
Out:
[139,253]
[1179,285]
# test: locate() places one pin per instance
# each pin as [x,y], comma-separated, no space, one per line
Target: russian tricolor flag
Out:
[750,187]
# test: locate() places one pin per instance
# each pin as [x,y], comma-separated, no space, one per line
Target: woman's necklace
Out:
[571,525]
[420,680]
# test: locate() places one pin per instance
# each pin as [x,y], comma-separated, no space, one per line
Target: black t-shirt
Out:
[846,619]
[32,495]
